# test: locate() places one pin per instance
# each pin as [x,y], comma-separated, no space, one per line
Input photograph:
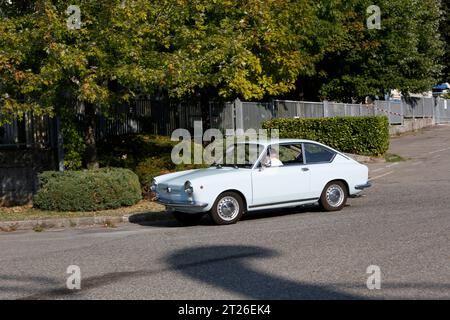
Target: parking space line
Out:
[436,151]
[392,164]
[381,175]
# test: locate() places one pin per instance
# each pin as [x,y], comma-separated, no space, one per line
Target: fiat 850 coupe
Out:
[263,175]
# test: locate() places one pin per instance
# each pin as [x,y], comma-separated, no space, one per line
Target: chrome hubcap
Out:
[228,208]
[335,195]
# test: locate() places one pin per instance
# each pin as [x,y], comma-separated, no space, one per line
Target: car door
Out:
[279,185]
[319,161]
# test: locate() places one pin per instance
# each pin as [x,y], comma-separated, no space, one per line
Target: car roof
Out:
[266,142]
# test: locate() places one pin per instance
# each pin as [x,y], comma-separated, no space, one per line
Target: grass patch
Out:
[391,157]
[29,213]
[38,228]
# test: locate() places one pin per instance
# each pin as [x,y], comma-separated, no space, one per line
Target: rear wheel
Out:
[227,209]
[188,219]
[334,196]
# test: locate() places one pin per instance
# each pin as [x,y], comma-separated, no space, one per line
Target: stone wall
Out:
[410,125]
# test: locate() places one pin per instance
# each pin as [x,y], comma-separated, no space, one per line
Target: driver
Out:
[272,159]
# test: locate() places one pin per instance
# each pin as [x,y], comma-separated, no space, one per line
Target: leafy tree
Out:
[250,49]
[444,29]
[358,61]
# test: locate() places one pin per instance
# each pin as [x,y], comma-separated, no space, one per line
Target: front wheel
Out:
[188,219]
[334,196]
[227,209]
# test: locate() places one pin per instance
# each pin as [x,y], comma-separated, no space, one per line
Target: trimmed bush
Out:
[359,135]
[87,190]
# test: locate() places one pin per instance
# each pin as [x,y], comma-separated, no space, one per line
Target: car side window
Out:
[291,154]
[315,153]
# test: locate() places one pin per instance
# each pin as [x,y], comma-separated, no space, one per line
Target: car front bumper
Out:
[184,206]
[368,184]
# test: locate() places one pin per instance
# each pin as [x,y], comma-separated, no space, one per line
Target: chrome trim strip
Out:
[282,202]
[182,204]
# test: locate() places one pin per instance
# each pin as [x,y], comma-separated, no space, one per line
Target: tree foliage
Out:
[252,49]
[404,54]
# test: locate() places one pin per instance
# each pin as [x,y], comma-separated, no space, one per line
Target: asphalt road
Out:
[402,226]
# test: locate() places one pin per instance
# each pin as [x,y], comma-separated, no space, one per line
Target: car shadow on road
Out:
[232,269]
[167,220]
[229,268]
[226,267]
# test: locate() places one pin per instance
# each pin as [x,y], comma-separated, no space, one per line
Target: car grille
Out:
[176,192]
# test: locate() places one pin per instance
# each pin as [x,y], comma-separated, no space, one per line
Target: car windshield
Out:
[242,155]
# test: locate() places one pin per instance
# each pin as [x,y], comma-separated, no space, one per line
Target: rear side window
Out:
[317,154]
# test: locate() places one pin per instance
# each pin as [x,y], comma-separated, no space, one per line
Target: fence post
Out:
[210,115]
[28,132]
[423,107]
[360,109]
[389,111]
[239,117]
[402,110]
[433,106]
[297,105]
[325,108]
[274,108]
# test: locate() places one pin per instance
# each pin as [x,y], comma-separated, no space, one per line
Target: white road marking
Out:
[436,151]
[381,175]
[392,164]
[379,169]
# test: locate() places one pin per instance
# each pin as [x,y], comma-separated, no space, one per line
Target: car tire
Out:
[334,196]
[227,209]
[188,219]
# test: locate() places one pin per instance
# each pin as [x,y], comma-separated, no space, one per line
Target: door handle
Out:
[305,169]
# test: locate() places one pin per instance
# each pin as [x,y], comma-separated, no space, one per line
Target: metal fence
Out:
[253,114]
[162,117]
[442,114]
[29,131]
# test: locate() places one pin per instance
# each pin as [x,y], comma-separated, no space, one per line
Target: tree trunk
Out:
[90,156]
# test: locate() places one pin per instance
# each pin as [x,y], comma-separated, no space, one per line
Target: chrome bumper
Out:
[181,204]
[363,186]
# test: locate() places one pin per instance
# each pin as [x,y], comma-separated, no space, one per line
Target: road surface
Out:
[402,226]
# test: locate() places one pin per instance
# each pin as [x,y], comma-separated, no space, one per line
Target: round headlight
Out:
[153,185]
[188,187]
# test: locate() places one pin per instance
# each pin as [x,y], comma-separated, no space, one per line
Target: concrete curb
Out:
[58,223]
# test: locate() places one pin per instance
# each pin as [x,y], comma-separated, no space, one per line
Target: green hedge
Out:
[87,190]
[359,135]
